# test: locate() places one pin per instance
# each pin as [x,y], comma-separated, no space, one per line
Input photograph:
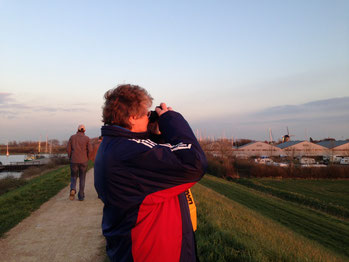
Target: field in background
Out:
[237,223]
[309,193]
[329,191]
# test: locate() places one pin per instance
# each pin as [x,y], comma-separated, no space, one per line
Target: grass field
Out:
[324,231]
[314,197]
[326,190]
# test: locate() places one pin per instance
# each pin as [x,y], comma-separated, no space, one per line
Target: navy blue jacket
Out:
[142,183]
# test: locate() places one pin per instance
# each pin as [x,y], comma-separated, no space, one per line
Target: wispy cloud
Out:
[10,108]
[320,109]
[15,106]
[7,114]
[57,109]
[5,97]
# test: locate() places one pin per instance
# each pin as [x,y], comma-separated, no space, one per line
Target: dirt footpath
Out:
[61,230]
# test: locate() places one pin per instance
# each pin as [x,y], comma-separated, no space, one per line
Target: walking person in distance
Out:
[79,150]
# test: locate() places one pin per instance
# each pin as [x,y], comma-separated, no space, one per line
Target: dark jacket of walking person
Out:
[78,150]
[141,183]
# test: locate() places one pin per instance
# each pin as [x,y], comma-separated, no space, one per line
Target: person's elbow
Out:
[198,167]
[203,165]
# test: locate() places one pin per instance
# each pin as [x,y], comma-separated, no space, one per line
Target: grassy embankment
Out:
[329,191]
[329,196]
[19,202]
[237,223]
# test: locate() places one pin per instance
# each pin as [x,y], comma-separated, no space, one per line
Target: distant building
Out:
[302,148]
[336,148]
[258,149]
[329,148]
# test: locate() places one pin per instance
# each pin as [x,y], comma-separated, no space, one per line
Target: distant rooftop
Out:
[331,144]
[253,142]
[288,144]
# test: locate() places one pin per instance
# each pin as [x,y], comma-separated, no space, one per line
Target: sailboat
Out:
[33,156]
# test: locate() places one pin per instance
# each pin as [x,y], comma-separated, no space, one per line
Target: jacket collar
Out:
[118,131]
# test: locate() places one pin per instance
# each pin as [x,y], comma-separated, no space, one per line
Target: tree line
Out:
[52,145]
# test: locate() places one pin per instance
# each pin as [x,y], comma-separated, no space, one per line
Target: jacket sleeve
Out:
[89,149]
[69,148]
[180,161]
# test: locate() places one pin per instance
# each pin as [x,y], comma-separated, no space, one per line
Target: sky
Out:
[231,68]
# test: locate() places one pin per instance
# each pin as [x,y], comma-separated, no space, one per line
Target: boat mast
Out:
[39,145]
[51,147]
[46,146]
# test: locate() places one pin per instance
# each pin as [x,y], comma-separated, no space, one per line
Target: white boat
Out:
[344,161]
[313,165]
[31,157]
[264,161]
[307,161]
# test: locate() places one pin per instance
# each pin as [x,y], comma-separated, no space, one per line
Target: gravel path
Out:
[61,230]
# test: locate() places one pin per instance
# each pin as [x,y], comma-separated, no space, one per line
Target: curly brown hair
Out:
[125,101]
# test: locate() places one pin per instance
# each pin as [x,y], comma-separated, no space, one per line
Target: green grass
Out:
[310,198]
[326,230]
[19,203]
[9,183]
[330,191]
[229,231]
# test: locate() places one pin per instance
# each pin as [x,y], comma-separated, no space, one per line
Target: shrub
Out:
[220,167]
[230,167]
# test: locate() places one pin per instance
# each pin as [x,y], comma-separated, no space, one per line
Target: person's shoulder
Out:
[131,147]
[141,143]
[121,148]
[85,138]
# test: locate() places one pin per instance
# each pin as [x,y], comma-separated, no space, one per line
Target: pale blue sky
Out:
[222,61]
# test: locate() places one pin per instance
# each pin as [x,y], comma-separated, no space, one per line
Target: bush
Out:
[220,167]
[230,167]
[334,172]
[258,170]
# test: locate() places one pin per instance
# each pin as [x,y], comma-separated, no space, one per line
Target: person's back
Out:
[78,150]
[142,183]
